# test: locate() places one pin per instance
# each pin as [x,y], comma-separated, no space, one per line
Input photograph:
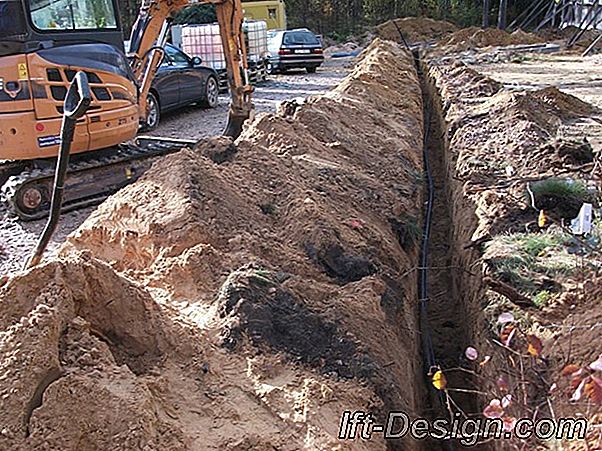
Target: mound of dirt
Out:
[466,84]
[503,134]
[264,282]
[567,33]
[415,29]
[77,341]
[474,37]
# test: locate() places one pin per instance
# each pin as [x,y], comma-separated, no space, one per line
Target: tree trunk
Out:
[486,7]
[501,18]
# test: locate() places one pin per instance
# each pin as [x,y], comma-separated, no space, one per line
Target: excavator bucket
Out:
[234,125]
[241,108]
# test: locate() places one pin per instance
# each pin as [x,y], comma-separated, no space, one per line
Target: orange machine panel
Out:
[31,107]
[15,89]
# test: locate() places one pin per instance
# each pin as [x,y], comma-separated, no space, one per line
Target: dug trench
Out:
[485,146]
[450,315]
[450,288]
[240,295]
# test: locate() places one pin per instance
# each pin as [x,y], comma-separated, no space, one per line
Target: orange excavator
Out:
[43,45]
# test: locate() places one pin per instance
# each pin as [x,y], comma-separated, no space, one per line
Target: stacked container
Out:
[205,42]
[256,35]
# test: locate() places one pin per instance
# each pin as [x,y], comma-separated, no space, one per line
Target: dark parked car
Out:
[294,49]
[180,81]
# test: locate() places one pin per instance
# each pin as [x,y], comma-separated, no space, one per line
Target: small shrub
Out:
[563,197]
[542,298]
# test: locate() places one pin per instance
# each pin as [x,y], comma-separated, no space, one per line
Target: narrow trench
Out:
[445,328]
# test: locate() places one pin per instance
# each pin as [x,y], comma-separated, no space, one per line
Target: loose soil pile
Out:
[503,136]
[415,29]
[474,37]
[567,33]
[239,295]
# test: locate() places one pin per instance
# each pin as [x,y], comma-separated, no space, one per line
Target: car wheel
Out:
[270,68]
[153,114]
[211,93]
[311,69]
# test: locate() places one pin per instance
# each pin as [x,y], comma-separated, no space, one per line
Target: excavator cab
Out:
[45,45]
[32,24]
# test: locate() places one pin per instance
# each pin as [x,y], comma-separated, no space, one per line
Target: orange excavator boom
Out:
[148,37]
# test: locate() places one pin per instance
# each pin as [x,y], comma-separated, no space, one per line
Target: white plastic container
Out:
[582,224]
[205,42]
[256,32]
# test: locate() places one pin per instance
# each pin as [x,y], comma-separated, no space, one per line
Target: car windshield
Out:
[174,56]
[300,37]
[73,14]
[12,20]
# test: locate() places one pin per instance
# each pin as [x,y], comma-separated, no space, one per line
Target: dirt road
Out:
[17,239]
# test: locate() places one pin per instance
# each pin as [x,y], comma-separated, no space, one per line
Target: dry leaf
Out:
[505,318]
[570,369]
[494,409]
[579,392]
[535,345]
[577,377]
[593,389]
[439,380]
[507,334]
[471,353]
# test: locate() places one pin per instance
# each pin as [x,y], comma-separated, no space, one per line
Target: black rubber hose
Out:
[428,350]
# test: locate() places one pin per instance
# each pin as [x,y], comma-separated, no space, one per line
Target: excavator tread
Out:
[131,158]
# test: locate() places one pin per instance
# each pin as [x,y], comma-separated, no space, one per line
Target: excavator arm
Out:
[146,51]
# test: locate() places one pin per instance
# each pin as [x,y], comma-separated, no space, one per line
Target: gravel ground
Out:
[18,239]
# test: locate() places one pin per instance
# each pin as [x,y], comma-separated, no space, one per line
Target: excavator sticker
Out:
[48,141]
[22,71]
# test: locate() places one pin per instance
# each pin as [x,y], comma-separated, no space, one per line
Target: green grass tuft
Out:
[560,188]
[521,259]
[542,298]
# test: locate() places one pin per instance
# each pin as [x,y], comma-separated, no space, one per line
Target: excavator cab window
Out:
[50,15]
[12,19]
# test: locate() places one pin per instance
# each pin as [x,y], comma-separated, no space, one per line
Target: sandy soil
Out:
[247,279]
[18,239]
[230,296]
[571,74]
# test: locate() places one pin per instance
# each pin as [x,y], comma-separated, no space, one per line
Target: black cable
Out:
[428,349]
[403,39]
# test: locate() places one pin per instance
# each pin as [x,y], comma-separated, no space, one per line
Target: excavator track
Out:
[89,181]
